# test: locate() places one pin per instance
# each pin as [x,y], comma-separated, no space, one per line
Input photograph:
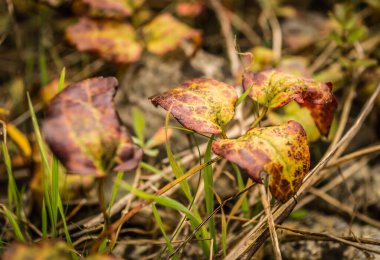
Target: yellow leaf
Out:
[19,138]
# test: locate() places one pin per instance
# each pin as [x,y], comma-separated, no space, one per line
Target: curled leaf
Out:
[83,130]
[281,151]
[112,40]
[273,89]
[165,34]
[202,105]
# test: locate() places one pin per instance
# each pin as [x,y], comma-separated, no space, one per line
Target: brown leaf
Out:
[112,40]
[165,34]
[281,151]
[273,89]
[83,130]
[202,105]
[46,249]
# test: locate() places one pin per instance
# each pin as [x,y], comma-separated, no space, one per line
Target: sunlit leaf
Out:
[273,89]
[53,249]
[83,130]
[111,8]
[202,105]
[302,115]
[165,34]
[281,151]
[112,40]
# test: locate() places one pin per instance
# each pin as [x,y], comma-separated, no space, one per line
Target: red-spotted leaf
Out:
[112,40]
[165,34]
[112,8]
[273,89]
[280,151]
[83,130]
[47,249]
[202,105]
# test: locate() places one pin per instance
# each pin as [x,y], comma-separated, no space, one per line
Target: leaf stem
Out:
[102,202]
[260,117]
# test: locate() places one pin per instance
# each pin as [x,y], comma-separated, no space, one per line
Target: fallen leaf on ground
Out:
[165,33]
[281,151]
[45,249]
[112,40]
[202,105]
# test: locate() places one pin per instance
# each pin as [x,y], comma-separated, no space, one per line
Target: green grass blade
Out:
[153,169]
[14,224]
[138,123]
[43,67]
[208,189]
[46,167]
[54,192]
[44,219]
[243,96]
[162,228]
[13,194]
[115,188]
[194,220]
[241,186]
[173,163]
[61,83]
[66,230]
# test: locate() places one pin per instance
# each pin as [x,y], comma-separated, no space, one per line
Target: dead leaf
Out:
[273,89]
[46,249]
[83,130]
[165,34]
[202,105]
[112,40]
[281,151]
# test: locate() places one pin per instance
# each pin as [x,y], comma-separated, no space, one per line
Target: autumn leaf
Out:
[273,89]
[165,34]
[111,8]
[280,151]
[112,40]
[83,130]
[46,249]
[202,105]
